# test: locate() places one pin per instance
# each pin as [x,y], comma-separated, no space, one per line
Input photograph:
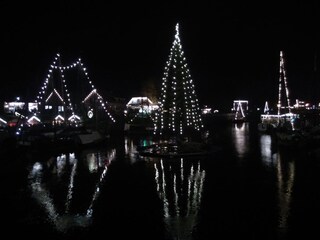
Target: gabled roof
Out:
[138,101]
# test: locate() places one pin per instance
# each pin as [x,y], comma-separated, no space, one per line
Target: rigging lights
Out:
[61,69]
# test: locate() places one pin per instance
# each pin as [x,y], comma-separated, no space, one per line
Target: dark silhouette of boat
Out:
[177,150]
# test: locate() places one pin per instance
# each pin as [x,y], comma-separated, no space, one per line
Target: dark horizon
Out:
[232,50]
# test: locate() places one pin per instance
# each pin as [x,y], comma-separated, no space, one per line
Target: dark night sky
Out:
[232,49]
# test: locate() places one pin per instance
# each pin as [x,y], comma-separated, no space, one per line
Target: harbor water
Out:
[248,188]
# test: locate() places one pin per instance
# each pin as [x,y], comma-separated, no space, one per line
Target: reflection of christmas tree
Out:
[180,187]
[179,112]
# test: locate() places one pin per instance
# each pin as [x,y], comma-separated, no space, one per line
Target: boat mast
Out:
[283,80]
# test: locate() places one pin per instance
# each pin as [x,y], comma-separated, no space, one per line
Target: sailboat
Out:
[267,125]
[282,119]
[241,108]
[63,116]
[286,135]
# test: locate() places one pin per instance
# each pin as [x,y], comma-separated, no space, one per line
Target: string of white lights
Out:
[56,65]
[283,80]
[179,105]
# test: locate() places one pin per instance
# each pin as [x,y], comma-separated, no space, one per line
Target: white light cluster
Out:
[266,108]
[178,106]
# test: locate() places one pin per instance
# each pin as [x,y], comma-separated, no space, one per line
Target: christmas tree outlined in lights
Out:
[179,113]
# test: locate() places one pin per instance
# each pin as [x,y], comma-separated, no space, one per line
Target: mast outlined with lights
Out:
[283,83]
[56,99]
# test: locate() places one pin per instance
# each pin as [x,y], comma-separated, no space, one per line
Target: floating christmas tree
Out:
[179,112]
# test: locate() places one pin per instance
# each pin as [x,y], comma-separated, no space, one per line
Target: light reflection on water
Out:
[267,156]
[284,167]
[180,185]
[53,172]
[285,177]
[241,138]
[130,146]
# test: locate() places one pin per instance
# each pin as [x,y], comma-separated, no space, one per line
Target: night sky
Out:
[232,50]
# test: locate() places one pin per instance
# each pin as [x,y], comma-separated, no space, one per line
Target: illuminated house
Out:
[143,104]
[15,112]
[12,107]
[139,113]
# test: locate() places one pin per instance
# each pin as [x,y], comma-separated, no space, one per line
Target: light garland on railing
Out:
[178,105]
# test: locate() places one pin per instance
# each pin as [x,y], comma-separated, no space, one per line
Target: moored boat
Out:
[175,150]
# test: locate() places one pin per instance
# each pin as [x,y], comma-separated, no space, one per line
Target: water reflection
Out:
[61,201]
[285,177]
[241,138]
[284,166]
[179,185]
[267,156]
[130,146]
